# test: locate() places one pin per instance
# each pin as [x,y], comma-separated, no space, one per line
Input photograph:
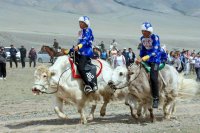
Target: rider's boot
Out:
[87,89]
[155,102]
[95,88]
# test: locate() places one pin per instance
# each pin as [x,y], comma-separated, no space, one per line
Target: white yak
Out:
[171,85]
[58,79]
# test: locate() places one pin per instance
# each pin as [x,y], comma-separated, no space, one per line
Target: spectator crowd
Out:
[184,61]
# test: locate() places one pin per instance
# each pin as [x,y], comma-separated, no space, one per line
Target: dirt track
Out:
[20,111]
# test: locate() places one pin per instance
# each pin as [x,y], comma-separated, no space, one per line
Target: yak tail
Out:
[187,87]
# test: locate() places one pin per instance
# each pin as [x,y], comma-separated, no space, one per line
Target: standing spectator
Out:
[193,51]
[112,54]
[177,63]
[102,46]
[23,55]
[170,58]
[13,57]
[113,44]
[131,56]
[126,56]
[2,64]
[192,63]
[119,60]
[32,57]
[187,64]
[95,53]
[197,67]
[104,55]
[56,46]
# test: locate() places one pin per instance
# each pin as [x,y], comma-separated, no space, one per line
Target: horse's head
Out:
[43,48]
[49,50]
[42,76]
[119,77]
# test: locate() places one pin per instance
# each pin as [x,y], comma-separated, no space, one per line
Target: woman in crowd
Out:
[119,60]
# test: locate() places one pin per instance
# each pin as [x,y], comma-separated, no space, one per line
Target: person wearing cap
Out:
[85,52]
[150,53]
[23,55]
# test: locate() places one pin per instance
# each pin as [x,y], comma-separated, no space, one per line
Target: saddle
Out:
[91,70]
[148,68]
[97,66]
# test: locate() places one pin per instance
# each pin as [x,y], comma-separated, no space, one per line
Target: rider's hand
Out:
[138,61]
[145,58]
[76,48]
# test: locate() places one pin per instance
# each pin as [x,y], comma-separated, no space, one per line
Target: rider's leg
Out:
[154,83]
[81,68]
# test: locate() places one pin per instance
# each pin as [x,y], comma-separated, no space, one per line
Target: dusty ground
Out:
[21,111]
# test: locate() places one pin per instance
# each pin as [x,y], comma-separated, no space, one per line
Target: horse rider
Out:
[85,52]
[56,46]
[151,54]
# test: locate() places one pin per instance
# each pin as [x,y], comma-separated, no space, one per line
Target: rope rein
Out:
[128,80]
[43,86]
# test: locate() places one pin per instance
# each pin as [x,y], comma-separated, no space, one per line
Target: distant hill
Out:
[185,7]
[35,22]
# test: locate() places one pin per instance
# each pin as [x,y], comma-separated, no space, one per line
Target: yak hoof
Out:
[83,121]
[63,116]
[90,117]
[102,114]
[167,117]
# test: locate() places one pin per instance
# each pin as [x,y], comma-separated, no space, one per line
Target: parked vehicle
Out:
[43,57]
[7,50]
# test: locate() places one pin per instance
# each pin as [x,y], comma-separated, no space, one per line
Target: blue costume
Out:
[151,47]
[85,52]
[151,53]
[86,38]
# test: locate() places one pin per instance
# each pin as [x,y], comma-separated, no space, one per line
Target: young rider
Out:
[150,53]
[85,52]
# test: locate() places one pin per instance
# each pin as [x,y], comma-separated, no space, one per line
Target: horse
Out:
[52,53]
[58,78]
[171,86]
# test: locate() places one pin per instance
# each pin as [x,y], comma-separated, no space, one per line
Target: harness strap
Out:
[162,78]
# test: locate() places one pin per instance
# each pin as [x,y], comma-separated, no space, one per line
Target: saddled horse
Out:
[52,53]
[171,86]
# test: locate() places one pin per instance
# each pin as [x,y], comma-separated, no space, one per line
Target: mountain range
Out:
[176,21]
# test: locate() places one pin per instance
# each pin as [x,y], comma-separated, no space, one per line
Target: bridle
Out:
[137,74]
[43,86]
[128,78]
